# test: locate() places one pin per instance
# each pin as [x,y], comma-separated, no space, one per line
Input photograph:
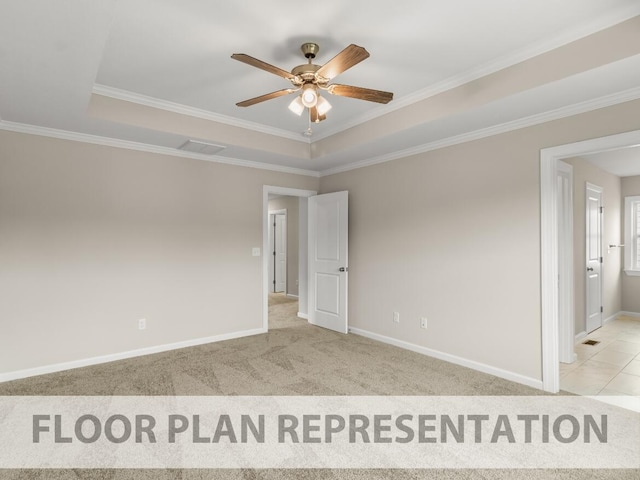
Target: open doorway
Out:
[283,253]
[555,245]
[285,301]
[606,344]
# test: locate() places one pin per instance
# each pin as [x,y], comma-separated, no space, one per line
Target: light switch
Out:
[256,251]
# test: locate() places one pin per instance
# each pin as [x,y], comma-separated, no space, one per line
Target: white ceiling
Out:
[624,162]
[175,56]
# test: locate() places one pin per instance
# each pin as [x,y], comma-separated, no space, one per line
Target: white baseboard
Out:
[611,318]
[303,315]
[291,295]
[580,336]
[59,367]
[630,314]
[481,367]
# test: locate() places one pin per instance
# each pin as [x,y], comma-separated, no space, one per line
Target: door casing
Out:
[566,315]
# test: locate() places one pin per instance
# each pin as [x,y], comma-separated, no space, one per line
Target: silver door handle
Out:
[589,269]
[343,269]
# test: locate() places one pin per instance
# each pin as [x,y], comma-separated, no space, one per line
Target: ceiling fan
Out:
[309,79]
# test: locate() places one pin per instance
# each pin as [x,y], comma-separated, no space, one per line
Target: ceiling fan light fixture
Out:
[323,106]
[309,79]
[309,95]
[296,106]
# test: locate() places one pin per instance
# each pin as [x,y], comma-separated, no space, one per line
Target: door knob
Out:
[589,269]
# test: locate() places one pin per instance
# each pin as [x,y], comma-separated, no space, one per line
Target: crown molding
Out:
[488,68]
[563,112]
[160,104]
[145,147]
[570,110]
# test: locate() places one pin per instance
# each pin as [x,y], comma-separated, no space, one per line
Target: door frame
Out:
[302,263]
[549,158]
[566,308]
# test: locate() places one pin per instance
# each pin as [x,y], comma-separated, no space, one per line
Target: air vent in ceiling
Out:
[201,147]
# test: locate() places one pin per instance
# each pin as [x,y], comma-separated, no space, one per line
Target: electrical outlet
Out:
[142,324]
[255,251]
[396,317]
[423,322]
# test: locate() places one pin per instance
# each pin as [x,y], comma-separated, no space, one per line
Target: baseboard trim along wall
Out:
[611,318]
[303,316]
[481,367]
[59,367]
[630,314]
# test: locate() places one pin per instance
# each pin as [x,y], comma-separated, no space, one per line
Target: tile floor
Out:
[612,367]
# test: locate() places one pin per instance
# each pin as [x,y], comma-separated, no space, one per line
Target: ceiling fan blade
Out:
[314,117]
[254,62]
[360,93]
[346,59]
[265,97]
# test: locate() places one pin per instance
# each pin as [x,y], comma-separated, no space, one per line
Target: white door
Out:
[280,252]
[593,270]
[328,261]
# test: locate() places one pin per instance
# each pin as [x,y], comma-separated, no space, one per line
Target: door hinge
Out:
[601,260]
[274,254]
[601,209]
[601,309]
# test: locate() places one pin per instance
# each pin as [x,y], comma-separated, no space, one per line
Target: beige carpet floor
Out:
[284,362]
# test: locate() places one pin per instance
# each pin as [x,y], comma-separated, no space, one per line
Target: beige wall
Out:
[291,205]
[584,172]
[630,285]
[93,238]
[454,235]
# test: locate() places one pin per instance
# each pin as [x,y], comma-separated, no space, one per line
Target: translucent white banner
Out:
[317,432]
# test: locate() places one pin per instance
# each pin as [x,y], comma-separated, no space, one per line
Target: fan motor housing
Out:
[307,71]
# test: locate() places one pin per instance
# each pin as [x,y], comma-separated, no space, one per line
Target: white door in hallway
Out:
[593,269]
[328,261]
[280,252]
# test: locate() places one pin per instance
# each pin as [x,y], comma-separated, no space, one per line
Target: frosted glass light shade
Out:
[296,106]
[323,106]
